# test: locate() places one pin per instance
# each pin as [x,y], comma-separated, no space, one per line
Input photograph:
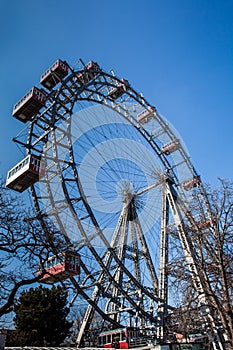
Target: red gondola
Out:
[170,147]
[191,183]
[60,267]
[54,74]
[146,115]
[122,338]
[89,72]
[118,90]
[25,173]
[29,104]
[204,224]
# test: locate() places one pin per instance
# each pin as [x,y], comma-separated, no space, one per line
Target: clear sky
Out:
[179,53]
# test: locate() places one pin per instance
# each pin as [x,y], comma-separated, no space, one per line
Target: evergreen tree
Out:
[41,317]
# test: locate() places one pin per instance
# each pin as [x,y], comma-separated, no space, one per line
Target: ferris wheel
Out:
[115,179]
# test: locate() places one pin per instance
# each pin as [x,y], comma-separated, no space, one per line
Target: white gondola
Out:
[25,173]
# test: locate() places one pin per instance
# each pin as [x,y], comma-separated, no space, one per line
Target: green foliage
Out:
[41,317]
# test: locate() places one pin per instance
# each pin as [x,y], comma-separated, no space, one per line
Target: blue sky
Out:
[179,53]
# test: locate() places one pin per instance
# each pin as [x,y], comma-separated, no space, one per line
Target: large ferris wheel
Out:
[116,181]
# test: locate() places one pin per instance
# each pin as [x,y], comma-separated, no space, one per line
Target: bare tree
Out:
[98,324]
[23,244]
[210,229]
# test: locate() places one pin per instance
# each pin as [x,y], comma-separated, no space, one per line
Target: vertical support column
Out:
[190,259]
[120,243]
[96,293]
[162,292]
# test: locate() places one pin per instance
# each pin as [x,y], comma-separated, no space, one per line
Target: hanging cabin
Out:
[204,224]
[170,147]
[146,115]
[122,338]
[89,72]
[59,267]
[29,105]
[191,183]
[117,91]
[52,76]
[26,173]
